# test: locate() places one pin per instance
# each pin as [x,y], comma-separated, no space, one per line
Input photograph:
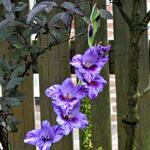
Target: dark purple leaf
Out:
[65,17]
[6,22]
[105,14]
[7,4]
[45,5]
[72,7]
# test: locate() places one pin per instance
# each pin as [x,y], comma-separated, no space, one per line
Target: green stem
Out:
[86,134]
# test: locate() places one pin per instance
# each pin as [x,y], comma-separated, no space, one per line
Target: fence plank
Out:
[53,69]
[121,42]
[25,113]
[121,50]
[101,106]
[143,129]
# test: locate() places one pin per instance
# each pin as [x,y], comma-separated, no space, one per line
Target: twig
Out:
[57,43]
[145,22]
[146,90]
[146,18]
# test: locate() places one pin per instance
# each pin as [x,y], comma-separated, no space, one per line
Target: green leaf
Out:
[4,34]
[35,49]
[2,80]
[20,6]
[12,101]
[5,65]
[90,41]
[11,123]
[105,14]
[18,45]
[14,82]
[18,71]
[87,20]
[95,13]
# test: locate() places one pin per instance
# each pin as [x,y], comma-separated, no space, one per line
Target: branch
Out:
[124,15]
[146,90]
[146,18]
[144,23]
[48,47]
[57,43]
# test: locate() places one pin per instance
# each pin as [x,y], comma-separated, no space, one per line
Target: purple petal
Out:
[79,74]
[103,61]
[103,48]
[80,92]
[95,86]
[76,61]
[47,145]
[53,91]
[83,119]
[90,57]
[59,133]
[45,124]
[92,93]
[67,86]
[67,129]
[32,137]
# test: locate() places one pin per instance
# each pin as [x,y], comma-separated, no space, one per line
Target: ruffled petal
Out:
[76,61]
[67,86]
[59,133]
[47,145]
[53,91]
[83,120]
[32,137]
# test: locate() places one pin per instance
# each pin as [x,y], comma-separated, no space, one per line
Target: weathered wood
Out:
[101,106]
[143,129]
[25,114]
[53,69]
[121,46]
[121,51]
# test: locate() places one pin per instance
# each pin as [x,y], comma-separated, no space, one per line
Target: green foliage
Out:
[87,132]
[95,18]
[100,148]
[94,24]
[12,83]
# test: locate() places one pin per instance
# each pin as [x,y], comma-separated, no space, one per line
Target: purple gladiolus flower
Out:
[44,137]
[91,62]
[95,85]
[66,95]
[74,119]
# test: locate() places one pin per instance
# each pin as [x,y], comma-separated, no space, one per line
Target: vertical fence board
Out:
[143,130]
[25,113]
[101,106]
[121,44]
[53,69]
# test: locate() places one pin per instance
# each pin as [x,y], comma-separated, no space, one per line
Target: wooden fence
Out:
[53,67]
